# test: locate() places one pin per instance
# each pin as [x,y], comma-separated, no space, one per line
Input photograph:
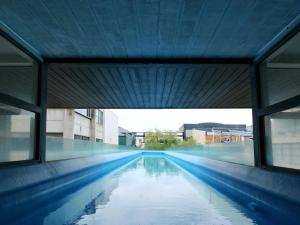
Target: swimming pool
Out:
[150,189]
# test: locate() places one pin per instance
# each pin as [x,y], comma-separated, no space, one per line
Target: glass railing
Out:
[60,148]
[239,152]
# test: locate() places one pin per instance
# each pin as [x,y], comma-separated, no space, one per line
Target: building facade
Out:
[126,137]
[209,133]
[100,125]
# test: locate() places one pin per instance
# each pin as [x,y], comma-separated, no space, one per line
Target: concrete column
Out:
[69,123]
[93,126]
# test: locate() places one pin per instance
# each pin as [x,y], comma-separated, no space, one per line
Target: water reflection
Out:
[157,166]
[150,190]
[154,191]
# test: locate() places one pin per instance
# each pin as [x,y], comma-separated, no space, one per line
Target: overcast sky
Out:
[172,119]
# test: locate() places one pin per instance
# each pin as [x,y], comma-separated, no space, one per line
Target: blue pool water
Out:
[149,190]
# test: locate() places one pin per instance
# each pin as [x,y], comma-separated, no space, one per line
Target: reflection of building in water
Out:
[103,197]
[207,133]
[156,167]
[87,196]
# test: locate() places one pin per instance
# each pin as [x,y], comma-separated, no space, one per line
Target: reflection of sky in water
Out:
[154,191]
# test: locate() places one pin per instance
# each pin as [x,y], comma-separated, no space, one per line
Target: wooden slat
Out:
[149,85]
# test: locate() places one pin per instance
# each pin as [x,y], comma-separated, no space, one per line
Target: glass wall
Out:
[18,100]
[18,73]
[63,148]
[238,152]
[280,81]
[279,73]
[17,134]
[282,132]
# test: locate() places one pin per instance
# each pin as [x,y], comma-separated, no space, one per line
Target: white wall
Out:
[70,123]
[110,127]
[82,125]
[55,120]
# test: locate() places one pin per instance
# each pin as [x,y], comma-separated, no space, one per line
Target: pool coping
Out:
[283,184]
[16,178]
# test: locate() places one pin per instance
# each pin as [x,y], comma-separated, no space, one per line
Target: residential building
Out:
[100,125]
[126,137]
[139,139]
[207,133]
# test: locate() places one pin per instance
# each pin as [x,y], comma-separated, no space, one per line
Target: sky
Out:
[139,120]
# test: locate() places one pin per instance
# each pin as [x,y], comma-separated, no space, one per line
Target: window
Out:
[18,73]
[80,137]
[99,116]
[280,73]
[18,104]
[17,134]
[280,85]
[84,112]
[55,134]
[282,131]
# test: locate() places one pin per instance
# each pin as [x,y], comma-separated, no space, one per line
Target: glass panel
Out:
[18,73]
[17,134]
[63,148]
[281,71]
[240,152]
[282,131]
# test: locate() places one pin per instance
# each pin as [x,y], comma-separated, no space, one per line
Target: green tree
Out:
[158,140]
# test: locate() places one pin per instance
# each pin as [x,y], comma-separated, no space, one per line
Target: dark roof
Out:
[148,29]
[210,126]
[148,54]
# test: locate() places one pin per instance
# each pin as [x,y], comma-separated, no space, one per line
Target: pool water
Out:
[152,190]
[149,190]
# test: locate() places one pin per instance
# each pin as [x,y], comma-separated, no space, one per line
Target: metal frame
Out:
[39,108]
[260,111]
[142,61]
[42,116]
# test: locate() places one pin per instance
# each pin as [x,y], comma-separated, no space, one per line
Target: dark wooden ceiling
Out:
[149,85]
[117,31]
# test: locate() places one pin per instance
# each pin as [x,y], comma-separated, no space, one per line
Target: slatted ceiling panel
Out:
[201,83]
[111,88]
[218,75]
[213,85]
[238,98]
[179,87]
[221,85]
[148,85]
[135,85]
[234,93]
[104,86]
[168,85]
[96,87]
[192,85]
[126,83]
[177,82]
